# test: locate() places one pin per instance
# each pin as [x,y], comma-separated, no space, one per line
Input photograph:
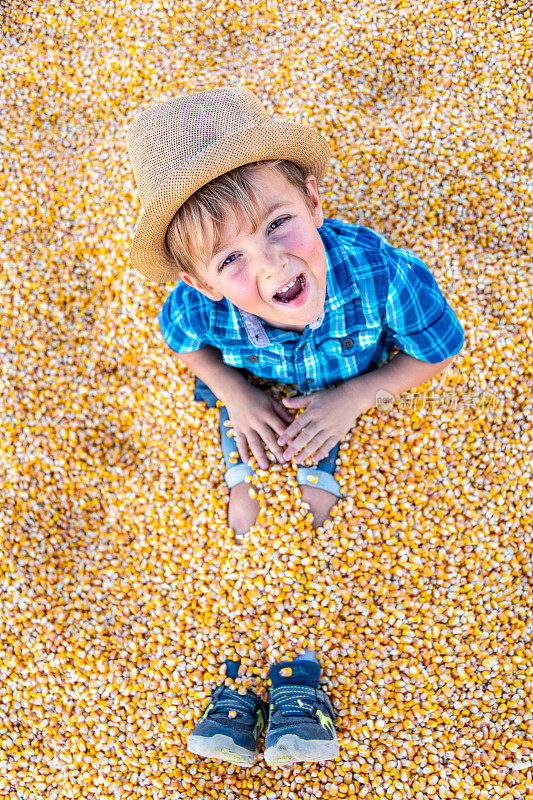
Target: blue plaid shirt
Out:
[378,298]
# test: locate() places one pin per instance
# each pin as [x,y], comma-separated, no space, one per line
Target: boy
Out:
[269,287]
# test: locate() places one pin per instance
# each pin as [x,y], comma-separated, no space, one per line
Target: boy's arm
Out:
[401,373]
[223,380]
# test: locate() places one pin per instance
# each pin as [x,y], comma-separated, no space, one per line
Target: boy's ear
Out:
[317,213]
[202,287]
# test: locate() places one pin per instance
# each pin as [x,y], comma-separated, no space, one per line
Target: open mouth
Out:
[294,290]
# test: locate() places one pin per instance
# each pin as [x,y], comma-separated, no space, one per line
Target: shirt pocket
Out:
[353,343]
[259,360]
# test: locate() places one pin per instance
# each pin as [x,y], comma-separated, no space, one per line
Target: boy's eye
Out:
[280,219]
[227,261]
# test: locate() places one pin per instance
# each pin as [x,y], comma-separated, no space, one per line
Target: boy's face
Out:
[251,268]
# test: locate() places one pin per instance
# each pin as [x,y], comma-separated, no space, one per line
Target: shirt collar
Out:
[257,332]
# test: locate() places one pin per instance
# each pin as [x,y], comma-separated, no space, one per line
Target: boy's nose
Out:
[277,277]
[274,265]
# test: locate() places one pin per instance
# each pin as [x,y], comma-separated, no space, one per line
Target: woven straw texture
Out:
[178,146]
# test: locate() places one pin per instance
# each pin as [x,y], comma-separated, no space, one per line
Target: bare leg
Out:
[321,502]
[243,510]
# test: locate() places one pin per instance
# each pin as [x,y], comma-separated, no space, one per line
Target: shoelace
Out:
[294,700]
[242,704]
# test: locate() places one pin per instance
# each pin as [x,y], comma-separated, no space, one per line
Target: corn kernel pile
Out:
[123,590]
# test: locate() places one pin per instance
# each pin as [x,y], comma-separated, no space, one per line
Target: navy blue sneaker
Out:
[231,725]
[301,726]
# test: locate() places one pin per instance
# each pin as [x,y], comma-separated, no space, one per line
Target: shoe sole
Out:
[290,748]
[221,747]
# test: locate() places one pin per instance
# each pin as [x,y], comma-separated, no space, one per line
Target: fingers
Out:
[290,433]
[284,433]
[283,413]
[256,446]
[266,436]
[242,446]
[308,451]
[271,441]
[266,433]
[309,445]
[272,429]
[300,439]
[270,437]
[322,451]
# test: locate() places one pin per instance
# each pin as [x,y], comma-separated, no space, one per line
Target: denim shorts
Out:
[321,476]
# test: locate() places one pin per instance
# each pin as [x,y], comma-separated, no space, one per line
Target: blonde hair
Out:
[186,235]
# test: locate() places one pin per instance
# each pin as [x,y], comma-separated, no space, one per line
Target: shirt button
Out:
[347,343]
[253,359]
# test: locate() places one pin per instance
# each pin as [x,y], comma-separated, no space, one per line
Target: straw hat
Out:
[180,145]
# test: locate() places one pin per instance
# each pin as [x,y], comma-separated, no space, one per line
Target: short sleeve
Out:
[182,322]
[417,315]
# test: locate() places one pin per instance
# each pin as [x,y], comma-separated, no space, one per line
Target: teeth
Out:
[286,288]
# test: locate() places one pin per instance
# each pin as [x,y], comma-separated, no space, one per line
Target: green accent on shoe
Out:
[325,721]
[206,712]
[259,725]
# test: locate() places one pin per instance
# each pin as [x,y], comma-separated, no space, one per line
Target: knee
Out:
[317,497]
[320,502]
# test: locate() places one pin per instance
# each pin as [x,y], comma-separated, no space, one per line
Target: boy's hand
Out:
[256,419]
[329,414]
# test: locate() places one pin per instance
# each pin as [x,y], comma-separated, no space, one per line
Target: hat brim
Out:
[298,143]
